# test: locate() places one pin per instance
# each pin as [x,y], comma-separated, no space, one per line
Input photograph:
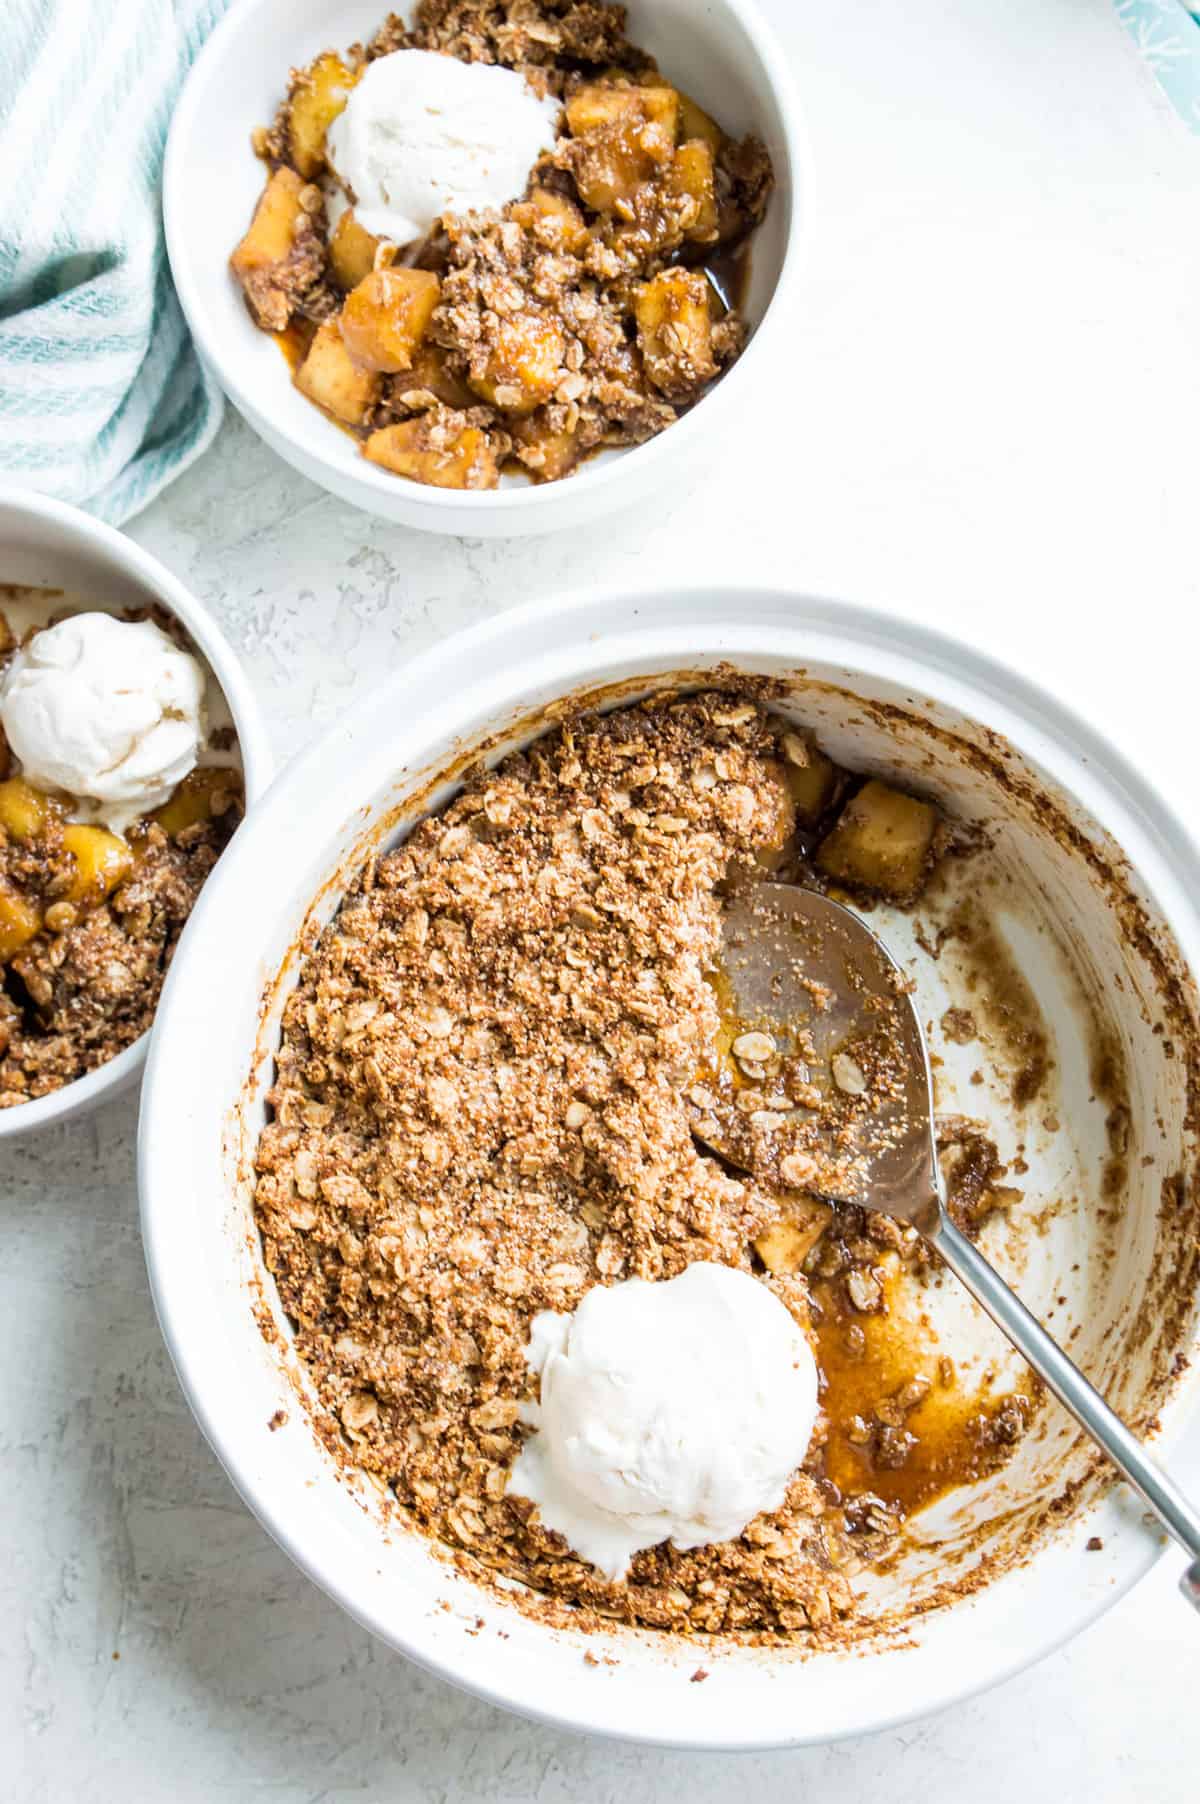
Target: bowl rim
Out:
[82,1093]
[875,637]
[515,504]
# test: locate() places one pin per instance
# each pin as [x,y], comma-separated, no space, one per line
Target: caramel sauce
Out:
[727,273]
[955,1428]
[294,341]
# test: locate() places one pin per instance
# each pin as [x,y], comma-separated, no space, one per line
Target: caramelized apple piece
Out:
[524,365]
[811,777]
[547,207]
[208,791]
[694,122]
[691,177]
[435,451]
[330,377]
[612,164]
[385,318]
[262,256]
[351,251]
[20,920]
[318,96]
[431,380]
[547,452]
[882,841]
[269,238]
[102,862]
[786,1244]
[25,813]
[625,138]
[675,332]
[600,104]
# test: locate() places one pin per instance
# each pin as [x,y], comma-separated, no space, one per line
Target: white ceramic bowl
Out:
[721,52]
[51,545]
[989,744]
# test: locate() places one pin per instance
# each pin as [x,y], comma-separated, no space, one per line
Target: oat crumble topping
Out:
[481,1109]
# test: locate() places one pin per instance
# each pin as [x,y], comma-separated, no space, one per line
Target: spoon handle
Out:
[1073,1391]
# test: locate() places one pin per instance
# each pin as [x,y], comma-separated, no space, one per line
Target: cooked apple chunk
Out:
[548,452]
[430,380]
[692,179]
[600,104]
[385,318]
[624,138]
[811,777]
[883,841]
[555,218]
[318,96]
[524,362]
[330,377]
[694,122]
[675,332]
[20,920]
[351,251]
[786,1244]
[101,862]
[264,258]
[25,813]
[206,792]
[612,164]
[269,238]
[438,449]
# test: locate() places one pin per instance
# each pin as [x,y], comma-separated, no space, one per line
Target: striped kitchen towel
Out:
[102,398]
[1167,32]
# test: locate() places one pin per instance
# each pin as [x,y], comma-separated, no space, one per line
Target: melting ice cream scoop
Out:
[669,1412]
[107,710]
[424,134]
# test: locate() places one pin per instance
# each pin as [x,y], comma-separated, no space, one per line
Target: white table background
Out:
[996,419]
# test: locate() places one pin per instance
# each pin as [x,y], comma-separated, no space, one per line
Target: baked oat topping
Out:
[483,1108]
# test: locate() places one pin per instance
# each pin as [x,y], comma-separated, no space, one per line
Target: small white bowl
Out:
[721,52]
[51,545]
[1100,860]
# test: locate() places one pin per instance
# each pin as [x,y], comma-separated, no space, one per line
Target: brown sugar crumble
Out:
[481,1109]
[589,312]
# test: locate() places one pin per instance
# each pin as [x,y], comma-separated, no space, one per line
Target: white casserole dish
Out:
[48,544]
[881,696]
[722,52]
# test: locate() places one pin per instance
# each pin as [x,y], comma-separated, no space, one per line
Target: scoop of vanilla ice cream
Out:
[424,134]
[669,1412]
[108,710]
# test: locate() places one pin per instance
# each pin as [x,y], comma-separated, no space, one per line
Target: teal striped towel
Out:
[1167,32]
[102,398]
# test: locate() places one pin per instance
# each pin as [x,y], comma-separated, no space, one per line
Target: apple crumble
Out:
[591,308]
[488,1090]
[91,908]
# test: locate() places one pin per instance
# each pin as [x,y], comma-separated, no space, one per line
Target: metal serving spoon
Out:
[811,974]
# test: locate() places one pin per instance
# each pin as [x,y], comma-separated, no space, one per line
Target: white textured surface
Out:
[997,398]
